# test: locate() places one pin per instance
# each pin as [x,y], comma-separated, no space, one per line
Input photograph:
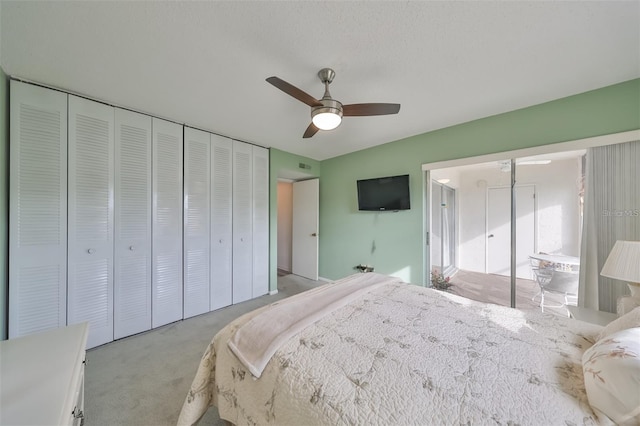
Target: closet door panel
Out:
[260,221]
[197,194]
[132,262]
[242,222]
[221,222]
[167,223]
[91,218]
[37,210]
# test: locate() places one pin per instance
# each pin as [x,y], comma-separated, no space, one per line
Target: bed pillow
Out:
[628,320]
[611,370]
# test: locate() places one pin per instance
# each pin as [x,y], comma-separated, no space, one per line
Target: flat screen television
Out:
[389,193]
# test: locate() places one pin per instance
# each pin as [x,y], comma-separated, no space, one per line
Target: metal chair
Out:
[555,278]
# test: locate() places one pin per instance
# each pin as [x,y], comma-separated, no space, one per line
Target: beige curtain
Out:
[611,212]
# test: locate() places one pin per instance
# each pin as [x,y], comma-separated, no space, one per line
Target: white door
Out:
[37,210]
[166,251]
[305,234]
[242,222]
[132,256]
[197,194]
[260,221]
[91,209]
[499,230]
[221,222]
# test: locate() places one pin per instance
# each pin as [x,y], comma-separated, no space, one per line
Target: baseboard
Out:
[272,292]
[326,280]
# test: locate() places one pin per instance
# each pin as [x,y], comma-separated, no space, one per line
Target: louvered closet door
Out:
[37,210]
[242,222]
[197,192]
[91,187]
[166,250]
[221,222]
[132,261]
[260,221]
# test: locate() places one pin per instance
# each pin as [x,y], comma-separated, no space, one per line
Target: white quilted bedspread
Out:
[406,355]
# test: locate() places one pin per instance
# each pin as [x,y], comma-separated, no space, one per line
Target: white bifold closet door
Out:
[166,249]
[221,222]
[91,218]
[242,222]
[132,249]
[197,216]
[260,221]
[37,210]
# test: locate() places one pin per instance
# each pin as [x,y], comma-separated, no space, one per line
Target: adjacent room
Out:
[346,212]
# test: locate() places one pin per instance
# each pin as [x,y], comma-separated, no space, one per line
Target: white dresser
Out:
[42,377]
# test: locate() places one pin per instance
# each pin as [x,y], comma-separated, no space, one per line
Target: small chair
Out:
[555,278]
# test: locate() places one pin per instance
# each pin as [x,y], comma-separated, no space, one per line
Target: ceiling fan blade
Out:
[359,110]
[311,130]
[292,90]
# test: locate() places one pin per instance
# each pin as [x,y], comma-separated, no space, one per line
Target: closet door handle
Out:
[132,248]
[91,251]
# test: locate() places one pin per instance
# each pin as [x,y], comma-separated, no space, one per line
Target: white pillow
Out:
[611,370]
[628,320]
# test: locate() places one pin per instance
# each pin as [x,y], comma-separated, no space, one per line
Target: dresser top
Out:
[40,375]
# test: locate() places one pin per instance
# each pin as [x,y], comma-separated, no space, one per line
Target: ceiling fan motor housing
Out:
[328,106]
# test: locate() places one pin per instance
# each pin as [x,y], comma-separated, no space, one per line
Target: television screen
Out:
[384,194]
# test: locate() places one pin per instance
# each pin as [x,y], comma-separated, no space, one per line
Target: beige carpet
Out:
[143,379]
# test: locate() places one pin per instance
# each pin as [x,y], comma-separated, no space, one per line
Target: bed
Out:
[395,353]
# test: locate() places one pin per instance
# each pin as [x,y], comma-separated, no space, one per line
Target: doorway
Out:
[546,218]
[297,226]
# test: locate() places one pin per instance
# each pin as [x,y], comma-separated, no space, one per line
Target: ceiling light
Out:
[328,116]
[326,120]
[445,180]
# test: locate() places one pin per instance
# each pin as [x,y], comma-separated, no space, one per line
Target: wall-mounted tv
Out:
[389,193]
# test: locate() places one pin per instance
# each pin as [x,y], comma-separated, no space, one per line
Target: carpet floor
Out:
[144,379]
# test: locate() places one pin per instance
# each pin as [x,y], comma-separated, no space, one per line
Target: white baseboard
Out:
[272,292]
[326,280]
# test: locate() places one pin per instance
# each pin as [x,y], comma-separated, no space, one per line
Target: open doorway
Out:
[298,223]
[285,224]
[547,216]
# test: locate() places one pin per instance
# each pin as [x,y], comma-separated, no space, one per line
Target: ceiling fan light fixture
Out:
[326,120]
[328,116]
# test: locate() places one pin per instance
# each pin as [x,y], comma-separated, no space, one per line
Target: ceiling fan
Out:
[327,113]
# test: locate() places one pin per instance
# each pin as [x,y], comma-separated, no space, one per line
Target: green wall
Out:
[393,242]
[282,164]
[4,202]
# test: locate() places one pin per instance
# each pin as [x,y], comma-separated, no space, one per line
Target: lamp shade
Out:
[623,262]
[326,120]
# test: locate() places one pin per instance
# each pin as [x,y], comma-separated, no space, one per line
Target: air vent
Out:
[304,166]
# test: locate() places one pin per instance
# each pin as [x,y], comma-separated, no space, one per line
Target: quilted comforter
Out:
[402,354]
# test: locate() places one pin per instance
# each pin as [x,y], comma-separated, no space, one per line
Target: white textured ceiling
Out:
[205,63]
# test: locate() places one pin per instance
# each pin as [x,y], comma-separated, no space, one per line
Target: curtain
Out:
[611,213]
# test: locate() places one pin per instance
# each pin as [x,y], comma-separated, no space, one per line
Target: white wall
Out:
[558,216]
[285,219]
